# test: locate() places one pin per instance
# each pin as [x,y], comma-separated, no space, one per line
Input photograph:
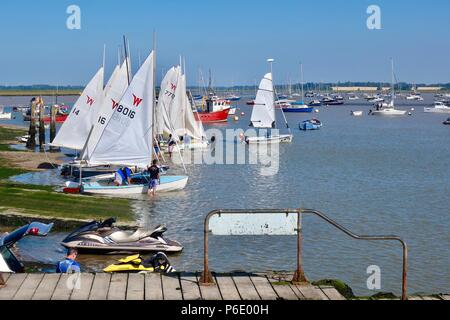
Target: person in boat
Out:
[171,144]
[122,176]
[69,265]
[154,172]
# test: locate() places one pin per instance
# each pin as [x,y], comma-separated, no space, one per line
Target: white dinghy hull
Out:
[389,112]
[286,138]
[168,184]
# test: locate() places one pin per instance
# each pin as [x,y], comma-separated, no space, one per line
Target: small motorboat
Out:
[138,264]
[439,107]
[357,113]
[312,124]
[353,98]
[5,115]
[233,98]
[315,103]
[328,101]
[8,261]
[298,106]
[102,237]
[447,122]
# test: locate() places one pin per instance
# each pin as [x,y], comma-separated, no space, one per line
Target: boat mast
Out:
[301,79]
[271,61]
[154,97]
[126,58]
[392,83]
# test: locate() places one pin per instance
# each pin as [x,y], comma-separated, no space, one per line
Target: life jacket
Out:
[68,266]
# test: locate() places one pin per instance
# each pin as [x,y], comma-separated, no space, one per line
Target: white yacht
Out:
[439,107]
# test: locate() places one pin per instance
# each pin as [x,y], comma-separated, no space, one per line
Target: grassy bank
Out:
[44,201]
[32,93]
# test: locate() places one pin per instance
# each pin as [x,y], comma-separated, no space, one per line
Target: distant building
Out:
[429,89]
[355,89]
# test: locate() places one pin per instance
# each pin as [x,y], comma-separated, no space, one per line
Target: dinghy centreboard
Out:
[127,138]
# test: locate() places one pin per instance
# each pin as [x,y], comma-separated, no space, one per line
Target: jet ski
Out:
[8,261]
[101,237]
[138,264]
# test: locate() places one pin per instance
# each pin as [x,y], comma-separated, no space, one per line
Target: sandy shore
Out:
[28,160]
[33,161]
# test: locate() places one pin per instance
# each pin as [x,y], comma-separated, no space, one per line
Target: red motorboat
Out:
[215,110]
[216,116]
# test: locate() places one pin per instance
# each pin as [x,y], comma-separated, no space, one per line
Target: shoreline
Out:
[21,202]
[27,159]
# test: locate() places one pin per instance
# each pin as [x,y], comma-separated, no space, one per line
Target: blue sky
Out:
[233,38]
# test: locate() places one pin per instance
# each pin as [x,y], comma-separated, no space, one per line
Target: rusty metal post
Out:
[53,112]
[299,276]
[206,278]
[31,143]
[41,125]
[405,272]
[2,281]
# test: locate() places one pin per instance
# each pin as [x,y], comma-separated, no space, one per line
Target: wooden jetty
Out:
[176,286]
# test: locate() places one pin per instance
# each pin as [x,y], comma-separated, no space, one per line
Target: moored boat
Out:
[213,110]
[356,113]
[439,107]
[263,114]
[384,109]
[312,124]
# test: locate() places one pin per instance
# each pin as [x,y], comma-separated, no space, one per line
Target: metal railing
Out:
[299,277]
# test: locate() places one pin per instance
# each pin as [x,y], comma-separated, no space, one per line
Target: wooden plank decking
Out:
[177,286]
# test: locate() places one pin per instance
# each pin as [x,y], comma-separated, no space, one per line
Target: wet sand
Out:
[29,160]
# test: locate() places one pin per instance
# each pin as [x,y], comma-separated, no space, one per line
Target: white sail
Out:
[263,115]
[111,80]
[193,128]
[177,110]
[127,137]
[114,92]
[166,98]
[75,130]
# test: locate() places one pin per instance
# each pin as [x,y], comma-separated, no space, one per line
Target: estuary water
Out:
[373,175]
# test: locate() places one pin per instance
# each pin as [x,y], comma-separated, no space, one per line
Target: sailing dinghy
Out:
[127,139]
[74,132]
[263,115]
[176,112]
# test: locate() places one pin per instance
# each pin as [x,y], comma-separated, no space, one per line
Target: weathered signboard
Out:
[254,224]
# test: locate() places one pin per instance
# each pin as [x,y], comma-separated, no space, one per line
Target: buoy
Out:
[236,118]
[242,113]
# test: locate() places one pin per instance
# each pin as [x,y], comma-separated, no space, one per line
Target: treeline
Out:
[43,87]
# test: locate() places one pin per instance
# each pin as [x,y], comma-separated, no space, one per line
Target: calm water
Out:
[374,175]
